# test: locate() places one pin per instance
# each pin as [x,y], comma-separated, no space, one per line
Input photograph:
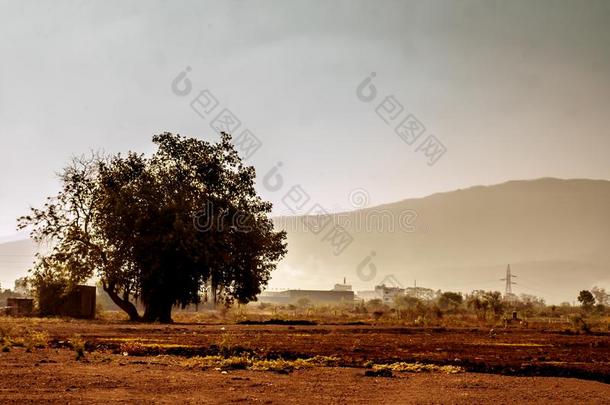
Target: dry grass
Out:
[418,368]
[78,345]
[36,340]
[515,344]
[16,334]
[139,348]
[249,363]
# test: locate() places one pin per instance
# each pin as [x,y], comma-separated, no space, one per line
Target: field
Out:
[104,361]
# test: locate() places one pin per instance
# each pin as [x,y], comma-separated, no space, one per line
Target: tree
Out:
[529,305]
[450,300]
[476,302]
[406,301]
[494,300]
[482,301]
[164,229]
[22,286]
[586,299]
[303,303]
[600,294]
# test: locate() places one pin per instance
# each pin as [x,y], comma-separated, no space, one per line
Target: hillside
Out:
[554,233]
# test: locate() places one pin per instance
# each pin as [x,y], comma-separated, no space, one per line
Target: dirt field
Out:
[153,363]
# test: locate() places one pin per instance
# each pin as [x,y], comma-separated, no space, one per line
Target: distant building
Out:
[367,295]
[342,287]
[271,296]
[381,292]
[421,293]
[341,293]
[388,294]
[19,306]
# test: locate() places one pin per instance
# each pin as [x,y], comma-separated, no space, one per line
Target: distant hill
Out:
[554,233]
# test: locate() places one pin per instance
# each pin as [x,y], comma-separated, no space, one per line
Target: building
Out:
[381,292]
[79,302]
[421,293]
[19,306]
[367,295]
[342,287]
[388,294]
[341,293]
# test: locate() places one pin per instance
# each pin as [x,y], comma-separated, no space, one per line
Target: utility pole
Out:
[508,289]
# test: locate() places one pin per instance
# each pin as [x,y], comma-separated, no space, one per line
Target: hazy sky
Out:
[512,89]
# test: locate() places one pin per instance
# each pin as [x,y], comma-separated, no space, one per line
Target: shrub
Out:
[36,340]
[377,314]
[5,337]
[51,290]
[579,324]
[225,345]
[78,345]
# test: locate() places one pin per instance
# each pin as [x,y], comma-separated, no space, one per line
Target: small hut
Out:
[80,302]
[19,306]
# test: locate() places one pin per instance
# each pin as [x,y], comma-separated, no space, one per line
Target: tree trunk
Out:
[158,310]
[125,305]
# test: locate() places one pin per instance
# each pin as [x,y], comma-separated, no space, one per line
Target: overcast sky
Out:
[511,89]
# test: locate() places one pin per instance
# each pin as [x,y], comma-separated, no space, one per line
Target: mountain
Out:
[554,233]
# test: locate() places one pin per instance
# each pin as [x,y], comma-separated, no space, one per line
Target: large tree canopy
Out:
[163,229]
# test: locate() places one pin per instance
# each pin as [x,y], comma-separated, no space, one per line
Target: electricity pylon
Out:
[508,290]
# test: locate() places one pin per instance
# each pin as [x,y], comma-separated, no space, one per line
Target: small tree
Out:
[450,300]
[408,306]
[303,303]
[477,304]
[406,301]
[22,286]
[586,299]
[600,294]
[494,300]
[51,285]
